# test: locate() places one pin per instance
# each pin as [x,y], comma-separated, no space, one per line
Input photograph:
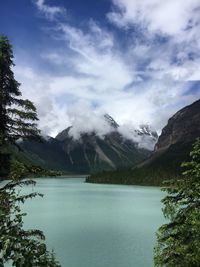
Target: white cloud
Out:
[87,120]
[170,17]
[145,102]
[177,21]
[130,132]
[98,66]
[49,11]
[53,117]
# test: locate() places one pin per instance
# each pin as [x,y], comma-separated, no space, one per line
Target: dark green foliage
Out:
[31,166]
[31,170]
[17,116]
[24,248]
[47,154]
[5,164]
[153,172]
[129,177]
[178,241]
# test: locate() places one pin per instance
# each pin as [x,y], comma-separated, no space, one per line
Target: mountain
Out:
[182,128]
[146,136]
[47,154]
[173,147]
[111,121]
[90,153]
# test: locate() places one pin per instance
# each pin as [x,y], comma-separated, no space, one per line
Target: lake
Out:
[92,225]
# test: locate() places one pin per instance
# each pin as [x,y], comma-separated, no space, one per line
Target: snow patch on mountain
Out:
[143,135]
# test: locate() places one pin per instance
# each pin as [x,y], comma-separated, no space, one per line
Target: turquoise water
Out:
[90,225]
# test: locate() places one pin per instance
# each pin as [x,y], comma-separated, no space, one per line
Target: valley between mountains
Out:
[143,158]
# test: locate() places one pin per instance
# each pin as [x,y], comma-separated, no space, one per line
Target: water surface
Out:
[91,225]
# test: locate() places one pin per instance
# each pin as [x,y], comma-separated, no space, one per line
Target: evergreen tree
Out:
[178,241]
[24,248]
[17,116]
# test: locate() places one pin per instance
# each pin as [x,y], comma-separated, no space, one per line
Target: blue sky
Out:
[137,60]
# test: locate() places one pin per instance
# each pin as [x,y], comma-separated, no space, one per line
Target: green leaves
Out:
[178,242]
[16,115]
[21,247]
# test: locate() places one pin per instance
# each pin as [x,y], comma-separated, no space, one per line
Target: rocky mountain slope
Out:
[173,147]
[90,153]
[183,127]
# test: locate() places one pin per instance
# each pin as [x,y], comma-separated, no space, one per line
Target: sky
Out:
[138,61]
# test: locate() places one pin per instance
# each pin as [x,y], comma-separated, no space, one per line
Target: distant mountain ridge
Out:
[90,153]
[111,121]
[176,140]
[183,127]
[173,148]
